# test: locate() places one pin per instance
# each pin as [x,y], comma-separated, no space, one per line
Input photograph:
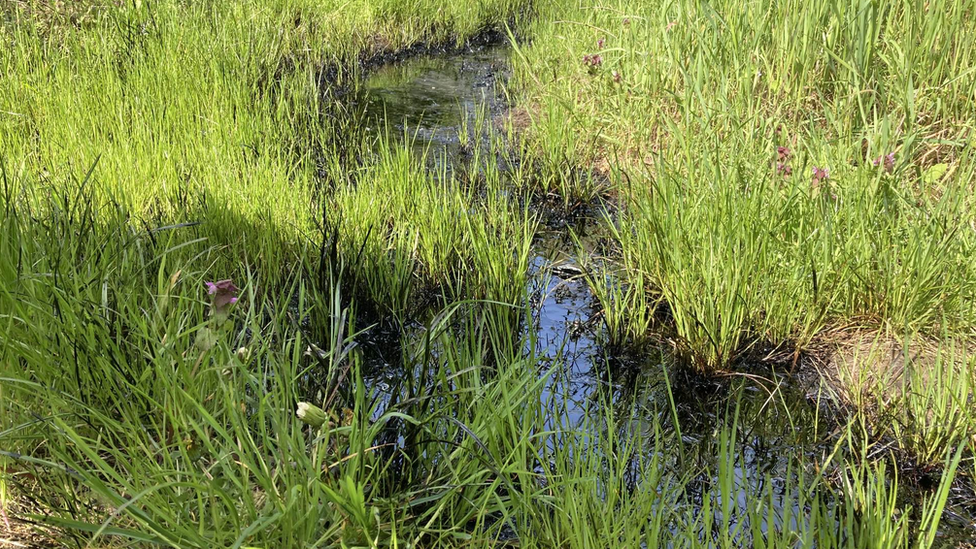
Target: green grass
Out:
[148,147]
[412,235]
[204,449]
[726,243]
[707,93]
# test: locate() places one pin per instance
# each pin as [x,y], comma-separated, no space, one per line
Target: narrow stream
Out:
[442,105]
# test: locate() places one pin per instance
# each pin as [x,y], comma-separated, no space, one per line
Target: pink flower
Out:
[600,43]
[820,174]
[783,153]
[888,160]
[784,169]
[223,294]
[592,61]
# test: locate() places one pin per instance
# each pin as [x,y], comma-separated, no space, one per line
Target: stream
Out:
[443,104]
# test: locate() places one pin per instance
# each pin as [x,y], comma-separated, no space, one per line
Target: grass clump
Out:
[916,394]
[414,237]
[740,255]
[781,169]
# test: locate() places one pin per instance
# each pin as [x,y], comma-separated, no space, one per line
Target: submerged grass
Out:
[147,148]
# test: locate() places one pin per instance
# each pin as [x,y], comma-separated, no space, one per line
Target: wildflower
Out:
[592,61]
[311,414]
[626,21]
[224,294]
[783,153]
[820,174]
[600,43]
[784,169]
[888,160]
[243,354]
[616,77]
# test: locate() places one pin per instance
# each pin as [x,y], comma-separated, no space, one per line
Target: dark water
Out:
[442,107]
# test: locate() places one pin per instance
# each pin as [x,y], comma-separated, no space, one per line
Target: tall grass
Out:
[782,175]
[148,148]
[714,118]
[413,236]
[181,104]
[137,431]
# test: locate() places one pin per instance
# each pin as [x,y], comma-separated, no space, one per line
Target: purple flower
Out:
[616,77]
[820,174]
[784,169]
[626,21]
[888,160]
[783,153]
[600,43]
[592,61]
[223,294]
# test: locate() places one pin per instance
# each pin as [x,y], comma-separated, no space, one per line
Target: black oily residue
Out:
[430,101]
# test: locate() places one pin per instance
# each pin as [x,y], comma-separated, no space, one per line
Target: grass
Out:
[409,233]
[737,250]
[753,201]
[918,391]
[205,450]
[147,148]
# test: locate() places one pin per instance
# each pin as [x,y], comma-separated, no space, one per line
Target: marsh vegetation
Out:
[550,273]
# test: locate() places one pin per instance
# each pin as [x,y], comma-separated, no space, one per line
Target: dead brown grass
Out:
[17,533]
[871,364]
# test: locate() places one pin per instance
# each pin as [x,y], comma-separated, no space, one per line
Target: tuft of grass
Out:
[411,235]
[935,411]
[713,119]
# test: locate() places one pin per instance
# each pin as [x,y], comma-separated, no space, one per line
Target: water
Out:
[442,105]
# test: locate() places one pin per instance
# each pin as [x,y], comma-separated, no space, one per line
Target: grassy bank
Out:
[749,147]
[151,151]
[783,175]
[227,108]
